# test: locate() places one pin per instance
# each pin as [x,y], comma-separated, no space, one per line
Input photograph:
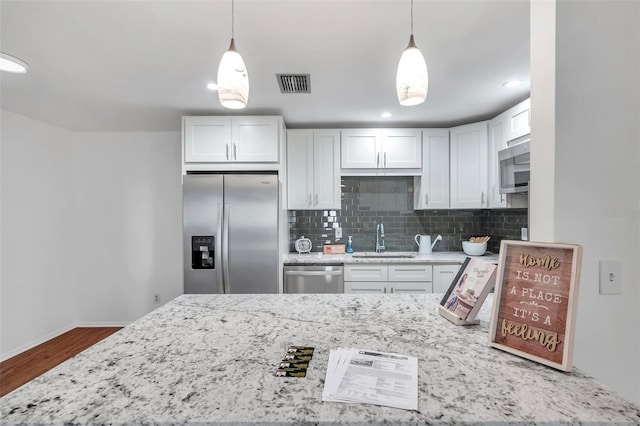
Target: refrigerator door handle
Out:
[219,251]
[225,246]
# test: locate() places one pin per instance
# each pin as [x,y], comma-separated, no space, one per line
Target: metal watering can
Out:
[424,243]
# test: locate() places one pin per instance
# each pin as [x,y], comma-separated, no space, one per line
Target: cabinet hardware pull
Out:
[426,199]
[310,199]
[378,160]
[235,152]
[385,159]
[227,151]
[316,199]
[481,198]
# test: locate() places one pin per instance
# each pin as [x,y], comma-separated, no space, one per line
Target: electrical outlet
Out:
[156,298]
[610,277]
[338,232]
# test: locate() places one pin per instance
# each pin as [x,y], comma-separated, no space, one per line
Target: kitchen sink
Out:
[383,256]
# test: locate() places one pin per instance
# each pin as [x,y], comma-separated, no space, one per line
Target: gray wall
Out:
[367,201]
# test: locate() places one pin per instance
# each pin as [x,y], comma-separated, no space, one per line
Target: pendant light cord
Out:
[233,20]
[411,17]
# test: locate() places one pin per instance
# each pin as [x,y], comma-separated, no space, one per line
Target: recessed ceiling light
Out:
[512,83]
[212,86]
[385,115]
[12,64]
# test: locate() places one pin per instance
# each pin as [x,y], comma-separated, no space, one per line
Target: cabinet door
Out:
[469,166]
[410,272]
[519,120]
[497,141]
[255,139]
[410,288]
[443,276]
[364,287]
[326,169]
[365,273]
[207,139]
[431,189]
[299,169]
[401,149]
[360,149]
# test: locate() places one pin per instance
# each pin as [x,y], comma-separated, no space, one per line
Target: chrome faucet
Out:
[380,238]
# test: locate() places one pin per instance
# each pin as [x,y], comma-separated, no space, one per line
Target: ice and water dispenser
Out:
[202,252]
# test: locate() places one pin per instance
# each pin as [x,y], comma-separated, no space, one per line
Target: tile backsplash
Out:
[367,201]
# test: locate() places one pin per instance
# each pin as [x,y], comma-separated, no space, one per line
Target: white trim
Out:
[103,324]
[35,343]
[57,333]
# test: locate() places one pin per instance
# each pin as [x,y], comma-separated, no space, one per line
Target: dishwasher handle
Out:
[312,273]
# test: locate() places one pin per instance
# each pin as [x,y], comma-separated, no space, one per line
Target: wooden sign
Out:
[535,300]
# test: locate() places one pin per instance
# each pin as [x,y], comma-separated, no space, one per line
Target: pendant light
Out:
[12,64]
[233,79]
[412,78]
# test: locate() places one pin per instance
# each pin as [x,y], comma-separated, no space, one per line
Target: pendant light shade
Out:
[12,64]
[412,77]
[233,78]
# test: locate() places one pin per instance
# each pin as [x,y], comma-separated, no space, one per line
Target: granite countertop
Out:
[443,257]
[210,359]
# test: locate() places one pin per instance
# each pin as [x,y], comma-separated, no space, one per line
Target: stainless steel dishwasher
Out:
[313,278]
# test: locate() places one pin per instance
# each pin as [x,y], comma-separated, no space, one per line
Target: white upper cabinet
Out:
[518,120]
[381,149]
[401,149]
[513,124]
[497,141]
[255,139]
[469,166]
[313,166]
[361,148]
[326,169]
[242,139]
[431,189]
[206,139]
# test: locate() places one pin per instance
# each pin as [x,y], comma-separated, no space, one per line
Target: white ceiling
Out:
[141,65]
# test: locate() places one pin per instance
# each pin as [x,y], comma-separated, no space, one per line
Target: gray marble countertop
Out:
[443,257]
[209,359]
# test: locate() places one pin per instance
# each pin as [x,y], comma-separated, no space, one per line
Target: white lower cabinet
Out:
[388,278]
[443,276]
[363,287]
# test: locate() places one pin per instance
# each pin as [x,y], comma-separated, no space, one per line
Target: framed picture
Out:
[534,305]
[468,290]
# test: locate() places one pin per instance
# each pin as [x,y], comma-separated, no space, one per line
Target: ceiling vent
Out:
[294,83]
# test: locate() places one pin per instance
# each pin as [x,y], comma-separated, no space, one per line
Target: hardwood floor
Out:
[24,367]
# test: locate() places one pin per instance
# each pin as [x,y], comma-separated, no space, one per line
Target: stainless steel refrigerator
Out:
[230,231]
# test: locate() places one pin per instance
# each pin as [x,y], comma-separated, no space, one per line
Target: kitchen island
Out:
[211,358]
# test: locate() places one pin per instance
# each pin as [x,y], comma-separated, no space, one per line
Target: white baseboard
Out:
[35,343]
[56,333]
[103,324]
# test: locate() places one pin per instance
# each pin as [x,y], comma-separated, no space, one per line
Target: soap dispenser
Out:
[350,245]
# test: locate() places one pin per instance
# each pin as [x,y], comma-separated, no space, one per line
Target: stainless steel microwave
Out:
[514,163]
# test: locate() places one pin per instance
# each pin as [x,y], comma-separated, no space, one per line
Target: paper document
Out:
[363,376]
